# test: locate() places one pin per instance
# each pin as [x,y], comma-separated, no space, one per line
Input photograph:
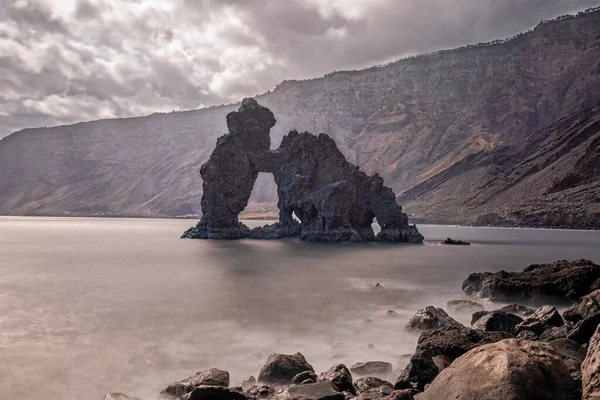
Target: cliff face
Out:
[439,128]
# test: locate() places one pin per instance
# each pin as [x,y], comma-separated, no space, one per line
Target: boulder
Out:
[554,333]
[119,396]
[314,391]
[511,369]
[214,393]
[280,369]
[497,321]
[583,330]
[261,392]
[478,314]
[590,369]
[339,376]
[560,280]
[371,368]
[210,377]
[305,376]
[468,306]
[588,306]
[449,342]
[248,383]
[541,320]
[432,318]
[368,383]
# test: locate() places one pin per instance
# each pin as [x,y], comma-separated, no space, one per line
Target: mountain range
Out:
[502,133]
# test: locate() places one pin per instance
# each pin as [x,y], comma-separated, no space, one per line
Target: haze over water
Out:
[90,306]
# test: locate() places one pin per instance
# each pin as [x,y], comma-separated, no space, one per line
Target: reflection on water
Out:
[89,306]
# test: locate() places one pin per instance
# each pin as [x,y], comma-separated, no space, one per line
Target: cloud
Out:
[73,60]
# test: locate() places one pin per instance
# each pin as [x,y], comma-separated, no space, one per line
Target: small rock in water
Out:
[432,318]
[371,368]
[464,306]
[280,369]
[377,286]
[456,242]
[339,376]
[248,383]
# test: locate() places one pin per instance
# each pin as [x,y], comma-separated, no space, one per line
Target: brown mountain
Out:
[492,133]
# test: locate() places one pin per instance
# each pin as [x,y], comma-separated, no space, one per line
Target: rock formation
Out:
[333,200]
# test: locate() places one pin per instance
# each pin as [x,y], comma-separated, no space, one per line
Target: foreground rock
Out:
[543,319]
[280,369]
[437,349]
[314,391]
[573,355]
[590,369]
[583,331]
[560,280]
[509,370]
[214,393]
[497,321]
[332,198]
[588,306]
[432,318]
[210,377]
[468,306]
[371,368]
[339,376]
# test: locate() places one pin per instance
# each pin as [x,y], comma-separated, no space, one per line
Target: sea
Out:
[90,306]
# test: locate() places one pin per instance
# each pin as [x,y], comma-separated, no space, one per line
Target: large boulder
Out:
[497,321]
[590,369]
[313,391]
[214,393]
[437,346]
[432,318]
[371,368]
[562,280]
[339,376]
[588,306]
[369,383]
[467,306]
[210,377]
[280,369]
[511,369]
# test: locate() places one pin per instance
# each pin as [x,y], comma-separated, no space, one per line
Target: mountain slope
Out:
[413,121]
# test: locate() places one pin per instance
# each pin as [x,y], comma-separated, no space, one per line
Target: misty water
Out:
[89,306]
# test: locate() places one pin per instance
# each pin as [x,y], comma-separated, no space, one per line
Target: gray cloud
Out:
[62,62]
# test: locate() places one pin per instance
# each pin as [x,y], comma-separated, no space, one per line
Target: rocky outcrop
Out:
[210,377]
[332,198]
[590,369]
[280,369]
[510,370]
[560,280]
[432,318]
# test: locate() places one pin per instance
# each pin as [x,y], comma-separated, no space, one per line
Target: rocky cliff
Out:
[436,127]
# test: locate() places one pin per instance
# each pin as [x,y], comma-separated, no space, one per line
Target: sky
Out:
[67,61]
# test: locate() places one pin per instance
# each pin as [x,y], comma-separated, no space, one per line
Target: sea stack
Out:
[331,197]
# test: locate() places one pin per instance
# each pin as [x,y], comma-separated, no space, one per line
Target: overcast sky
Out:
[75,60]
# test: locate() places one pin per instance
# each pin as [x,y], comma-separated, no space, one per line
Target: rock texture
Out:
[280,369]
[210,377]
[432,318]
[560,280]
[590,369]
[334,200]
[475,126]
[510,370]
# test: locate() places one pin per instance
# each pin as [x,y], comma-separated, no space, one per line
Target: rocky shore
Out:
[515,352]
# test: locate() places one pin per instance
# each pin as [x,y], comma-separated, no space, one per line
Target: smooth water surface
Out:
[90,306]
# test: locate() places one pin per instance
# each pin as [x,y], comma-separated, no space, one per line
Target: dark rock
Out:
[590,369]
[527,335]
[119,396]
[517,309]
[497,321]
[511,369]
[333,199]
[248,383]
[547,315]
[583,331]
[315,391]
[534,326]
[304,376]
[378,286]
[432,318]
[450,342]
[210,377]
[456,242]
[371,368]
[554,333]
[280,369]
[464,306]
[339,376]
[477,315]
[562,280]
[588,306]
[370,382]
[391,313]
[573,355]
[261,392]
[214,393]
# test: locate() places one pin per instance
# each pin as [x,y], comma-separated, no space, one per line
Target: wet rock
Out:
[339,376]
[305,376]
[119,396]
[432,318]
[371,368]
[368,383]
[315,391]
[517,309]
[248,383]
[497,321]
[449,342]
[214,393]
[588,306]
[333,199]
[280,369]
[583,330]
[469,306]
[391,313]
[261,392]
[210,377]
[590,369]
[510,370]
[562,280]
[377,287]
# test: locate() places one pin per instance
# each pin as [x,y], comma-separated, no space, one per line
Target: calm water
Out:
[89,306]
